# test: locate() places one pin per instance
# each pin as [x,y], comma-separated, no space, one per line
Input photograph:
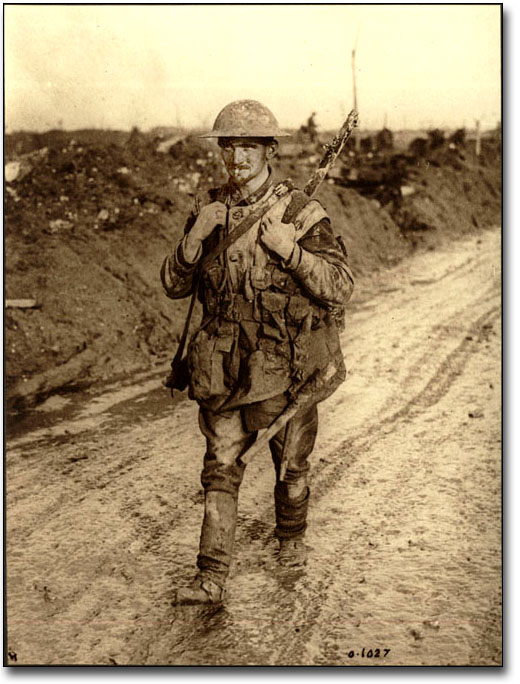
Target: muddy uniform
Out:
[266,325]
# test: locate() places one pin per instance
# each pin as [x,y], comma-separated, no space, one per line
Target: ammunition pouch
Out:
[268,307]
[288,331]
[210,359]
[272,307]
[274,278]
[267,375]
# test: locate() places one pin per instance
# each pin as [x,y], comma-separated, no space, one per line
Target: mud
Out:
[104,502]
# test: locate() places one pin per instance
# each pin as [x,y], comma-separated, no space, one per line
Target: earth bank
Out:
[90,215]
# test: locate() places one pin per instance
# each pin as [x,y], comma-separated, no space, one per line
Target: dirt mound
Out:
[89,219]
[436,190]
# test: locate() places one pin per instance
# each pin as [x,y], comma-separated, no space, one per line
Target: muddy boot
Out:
[291,523]
[292,552]
[200,591]
[216,544]
[215,549]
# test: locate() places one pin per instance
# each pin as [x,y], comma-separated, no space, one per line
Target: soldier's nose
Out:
[239,155]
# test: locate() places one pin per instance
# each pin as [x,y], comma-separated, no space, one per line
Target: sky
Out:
[118,66]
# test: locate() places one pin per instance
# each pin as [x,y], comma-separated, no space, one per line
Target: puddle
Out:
[54,403]
[75,413]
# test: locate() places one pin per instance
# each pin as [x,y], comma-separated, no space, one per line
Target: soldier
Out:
[312,128]
[271,304]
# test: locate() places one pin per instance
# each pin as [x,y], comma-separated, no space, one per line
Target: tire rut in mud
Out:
[448,369]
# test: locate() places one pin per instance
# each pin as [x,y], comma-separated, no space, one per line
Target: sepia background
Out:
[113,67]
[103,105]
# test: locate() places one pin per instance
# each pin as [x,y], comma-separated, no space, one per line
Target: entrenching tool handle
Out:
[271,431]
[307,393]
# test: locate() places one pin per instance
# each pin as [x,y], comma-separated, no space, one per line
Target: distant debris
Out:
[418,147]
[165,145]
[367,145]
[407,190]
[12,192]
[136,138]
[21,304]
[384,140]
[59,225]
[459,137]
[17,169]
[13,171]
[308,132]
[436,138]
[188,184]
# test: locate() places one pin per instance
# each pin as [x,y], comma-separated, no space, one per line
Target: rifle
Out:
[332,151]
[178,377]
[326,380]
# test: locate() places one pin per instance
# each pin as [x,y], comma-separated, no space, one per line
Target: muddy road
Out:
[104,504]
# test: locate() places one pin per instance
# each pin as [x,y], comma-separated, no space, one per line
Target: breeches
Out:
[227,439]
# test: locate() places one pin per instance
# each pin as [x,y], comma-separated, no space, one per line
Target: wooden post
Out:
[357,138]
[477,141]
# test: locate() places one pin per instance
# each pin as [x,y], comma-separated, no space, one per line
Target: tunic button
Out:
[233,257]
[237,214]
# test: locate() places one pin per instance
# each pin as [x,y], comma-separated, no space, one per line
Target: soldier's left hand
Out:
[275,235]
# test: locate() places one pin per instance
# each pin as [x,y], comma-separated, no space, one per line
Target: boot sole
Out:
[197,597]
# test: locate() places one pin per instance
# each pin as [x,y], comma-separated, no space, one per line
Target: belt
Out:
[238,308]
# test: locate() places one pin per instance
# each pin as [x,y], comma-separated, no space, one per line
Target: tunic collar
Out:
[236,199]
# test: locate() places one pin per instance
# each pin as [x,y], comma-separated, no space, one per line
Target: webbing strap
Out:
[278,193]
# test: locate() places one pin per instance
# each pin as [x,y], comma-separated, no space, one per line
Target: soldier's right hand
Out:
[209,217]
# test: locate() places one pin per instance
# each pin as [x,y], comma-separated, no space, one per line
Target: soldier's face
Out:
[244,158]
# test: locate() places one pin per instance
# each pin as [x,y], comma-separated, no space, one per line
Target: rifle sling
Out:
[182,342]
[245,225]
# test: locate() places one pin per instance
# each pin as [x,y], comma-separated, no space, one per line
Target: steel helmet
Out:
[245,119]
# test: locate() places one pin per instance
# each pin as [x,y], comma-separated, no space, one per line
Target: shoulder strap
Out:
[279,191]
